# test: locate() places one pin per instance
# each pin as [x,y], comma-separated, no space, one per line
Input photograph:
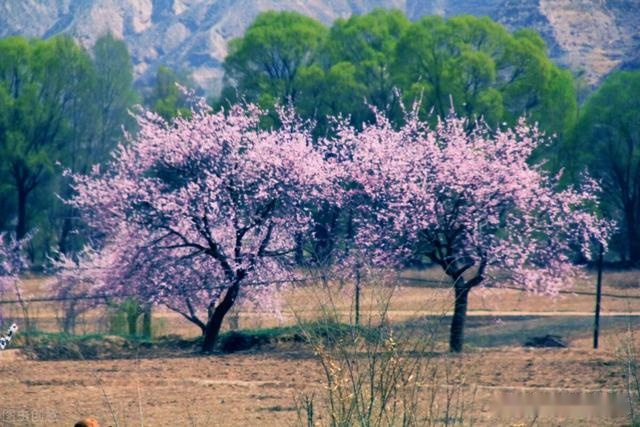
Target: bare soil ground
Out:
[248,389]
[260,387]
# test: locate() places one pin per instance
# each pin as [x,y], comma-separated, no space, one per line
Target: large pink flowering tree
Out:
[469,202]
[194,213]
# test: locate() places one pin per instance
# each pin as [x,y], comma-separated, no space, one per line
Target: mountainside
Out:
[594,36]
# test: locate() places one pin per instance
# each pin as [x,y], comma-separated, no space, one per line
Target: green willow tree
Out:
[37,97]
[113,94]
[360,53]
[485,71]
[475,62]
[166,98]
[607,141]
[97,117]
[264,64]
[60,107]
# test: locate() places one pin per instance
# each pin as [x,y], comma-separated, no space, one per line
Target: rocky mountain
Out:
[591,36]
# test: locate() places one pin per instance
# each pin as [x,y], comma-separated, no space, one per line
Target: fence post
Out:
[147,330]
[357,297]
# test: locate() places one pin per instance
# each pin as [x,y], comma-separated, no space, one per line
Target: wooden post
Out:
[357,297]
[596,323]
[147,319]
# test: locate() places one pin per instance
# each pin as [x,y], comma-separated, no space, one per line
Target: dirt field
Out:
[260,387]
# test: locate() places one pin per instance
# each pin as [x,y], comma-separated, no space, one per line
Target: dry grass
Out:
[409,301]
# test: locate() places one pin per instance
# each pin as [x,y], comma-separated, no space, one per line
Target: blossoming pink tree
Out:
[77,282]
[469,202]
[195,212]
[12,261]
[12,264]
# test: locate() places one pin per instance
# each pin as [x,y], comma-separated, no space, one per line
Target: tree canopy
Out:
[198,213]
[607,142]
[485,71]
[58,106]
[474,63]
[265,63]
[470,202]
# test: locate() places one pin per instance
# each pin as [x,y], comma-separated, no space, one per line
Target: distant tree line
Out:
[474,63]
[64,107]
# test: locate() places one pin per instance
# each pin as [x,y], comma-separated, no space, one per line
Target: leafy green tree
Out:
[59,108]
[368,43]
[264,64]
[114,94]
[97,116]
[485,71]
[607,141]
[7,201]
[38,82]
[166,98]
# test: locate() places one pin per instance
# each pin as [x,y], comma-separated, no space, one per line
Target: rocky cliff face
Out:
[593,36]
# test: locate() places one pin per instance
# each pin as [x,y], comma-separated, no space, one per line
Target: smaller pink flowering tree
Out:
[470,202]
[12,264]
[12,261]
[194,213]
[76,281]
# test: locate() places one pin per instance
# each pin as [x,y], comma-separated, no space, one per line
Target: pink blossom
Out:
[193,213]
[468,201]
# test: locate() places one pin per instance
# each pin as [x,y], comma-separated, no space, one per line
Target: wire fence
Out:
[400,279]
[87,314]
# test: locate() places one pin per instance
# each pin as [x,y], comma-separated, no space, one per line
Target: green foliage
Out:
[368,45]
[264,63]
[59,107]
[474,62]
[167,99]
[130,319]
[607,142]
[41,82]
[486,71]
[113,93]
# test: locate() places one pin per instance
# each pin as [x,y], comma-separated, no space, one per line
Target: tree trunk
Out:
[456,337]
[299,251]
[21,228]
[132,323]
[216,316]
[64,235]
[633,235]
[69,319]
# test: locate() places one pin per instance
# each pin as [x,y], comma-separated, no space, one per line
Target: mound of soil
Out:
[234,341]
[547,341]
